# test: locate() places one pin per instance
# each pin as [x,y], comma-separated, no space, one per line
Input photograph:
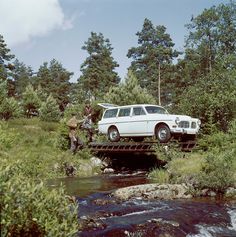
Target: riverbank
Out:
[169,192]
[102,214]
[30,155]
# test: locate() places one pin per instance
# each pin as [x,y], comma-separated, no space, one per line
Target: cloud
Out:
[20,20]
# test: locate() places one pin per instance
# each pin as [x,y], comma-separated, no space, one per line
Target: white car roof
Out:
[108,106]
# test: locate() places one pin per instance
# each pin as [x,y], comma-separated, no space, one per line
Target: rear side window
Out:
[138,111]
[124,112]
[110,113]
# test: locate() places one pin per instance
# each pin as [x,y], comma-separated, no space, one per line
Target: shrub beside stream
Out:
[212,166]
[29,156]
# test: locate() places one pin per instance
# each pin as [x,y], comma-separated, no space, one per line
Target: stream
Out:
[102,215]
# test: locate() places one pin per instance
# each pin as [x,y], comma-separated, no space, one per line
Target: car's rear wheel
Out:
[113,134]
[162,133]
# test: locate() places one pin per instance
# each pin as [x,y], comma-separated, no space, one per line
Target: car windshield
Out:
[155,110]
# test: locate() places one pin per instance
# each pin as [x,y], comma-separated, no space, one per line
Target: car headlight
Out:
[198,122]
[177,120]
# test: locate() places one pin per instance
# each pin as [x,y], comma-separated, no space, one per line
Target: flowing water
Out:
[102,215]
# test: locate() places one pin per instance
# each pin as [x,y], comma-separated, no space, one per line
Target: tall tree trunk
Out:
[159,83]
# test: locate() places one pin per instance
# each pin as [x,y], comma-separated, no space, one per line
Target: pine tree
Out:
[54,79]
[9,107]
[212,37]
[129,92]
[5,57]
[152,59]
[31,102]
[98,73]
[49,111]
[21,75]
[3,89]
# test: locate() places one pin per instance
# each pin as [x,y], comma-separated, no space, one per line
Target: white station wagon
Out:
[145,120]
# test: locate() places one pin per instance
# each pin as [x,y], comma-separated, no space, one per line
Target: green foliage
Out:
[49,110]
[63,141]
[185,168]
[212,99]
[221,140]
[217,172]
[129,92]
[205,78]
[214,168]
[9,107]
[31,102]
[5,56]
[28,207]
[74,109]
[31,209]
[41,93]
[160,176]
[53,79]
[3,90]
[21,75]
[98,73]
[212,35]
[167,152]
[8,136]
[152,59]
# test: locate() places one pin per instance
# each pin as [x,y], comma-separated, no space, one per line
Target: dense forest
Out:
[200,81]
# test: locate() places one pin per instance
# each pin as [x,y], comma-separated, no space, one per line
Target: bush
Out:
[31,209]
[31,101]
[161,176]
[167,152]
[220,140]
[9,108]
[129,92]
[49,111]
[217,172]
[63,141]
[213,99]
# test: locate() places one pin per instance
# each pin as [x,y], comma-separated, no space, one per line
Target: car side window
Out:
[124,112]
[155,110]
[138,111]
[111,113]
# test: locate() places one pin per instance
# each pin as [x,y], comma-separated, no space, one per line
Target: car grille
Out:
[184,124]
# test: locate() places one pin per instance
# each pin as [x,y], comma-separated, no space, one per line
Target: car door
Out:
[138,121]
[123,121]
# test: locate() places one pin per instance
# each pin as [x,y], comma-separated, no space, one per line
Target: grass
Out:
[28,156]
[161,176]
[213,167]
[34,143]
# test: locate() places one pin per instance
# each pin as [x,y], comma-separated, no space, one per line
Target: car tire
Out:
[113,134]
[163,133]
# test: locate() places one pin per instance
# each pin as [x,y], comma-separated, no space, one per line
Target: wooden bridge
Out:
[131,147]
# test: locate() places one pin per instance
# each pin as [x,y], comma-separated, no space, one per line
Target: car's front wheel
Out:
[113,134]
[162,133]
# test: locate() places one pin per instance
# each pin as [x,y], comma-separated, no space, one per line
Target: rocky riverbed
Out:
[167,192]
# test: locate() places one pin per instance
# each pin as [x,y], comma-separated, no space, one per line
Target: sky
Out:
[38,31]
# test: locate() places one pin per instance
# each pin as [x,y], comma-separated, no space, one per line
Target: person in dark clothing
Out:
[87,124]
[74,140]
